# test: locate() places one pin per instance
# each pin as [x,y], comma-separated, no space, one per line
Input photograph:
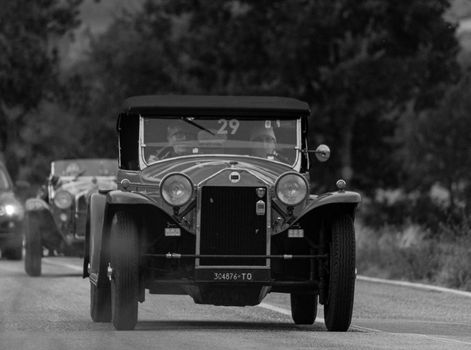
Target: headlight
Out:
[12,210]
[291,189]
[176,189]
[63,199]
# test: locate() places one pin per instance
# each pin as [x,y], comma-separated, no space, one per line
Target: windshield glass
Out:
[273,139]
[85,167]
[4,182]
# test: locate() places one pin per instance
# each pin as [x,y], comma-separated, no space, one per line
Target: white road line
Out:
[321,320]
[415,285]
[61,264]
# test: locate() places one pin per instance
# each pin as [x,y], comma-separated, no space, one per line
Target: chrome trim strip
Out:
[142,161]
[268,227]
[140,184]
[200,184]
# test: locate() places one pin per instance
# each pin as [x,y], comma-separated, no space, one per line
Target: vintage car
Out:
[57,217]
[11,218]
[213,201]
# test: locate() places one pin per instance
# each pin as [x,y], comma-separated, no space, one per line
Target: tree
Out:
[439,141]
[28,60]
[357,63]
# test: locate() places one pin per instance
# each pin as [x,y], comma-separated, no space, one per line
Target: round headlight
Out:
[176,189]
[10,209]
[291,189]
[63,199]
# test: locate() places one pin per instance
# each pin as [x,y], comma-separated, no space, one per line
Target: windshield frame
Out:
[143,163]
[85,165]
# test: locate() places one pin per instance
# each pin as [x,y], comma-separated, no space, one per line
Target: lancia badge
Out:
[234,177]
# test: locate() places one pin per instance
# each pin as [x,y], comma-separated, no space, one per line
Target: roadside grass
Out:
[411,253]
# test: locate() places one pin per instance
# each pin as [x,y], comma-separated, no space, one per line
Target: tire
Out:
[33,247]
[303,308]
[339,305]
[124,244]
[100,303]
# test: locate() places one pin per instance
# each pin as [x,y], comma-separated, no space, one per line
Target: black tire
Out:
[124,244]
[33,247]
[303,308]
[100,303]
[339,305]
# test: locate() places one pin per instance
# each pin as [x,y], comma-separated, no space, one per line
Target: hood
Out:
[200,168]
[86,184]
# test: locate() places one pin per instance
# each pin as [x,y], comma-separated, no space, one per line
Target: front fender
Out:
[34,204]
[339,197]
[94,233]
[128,198]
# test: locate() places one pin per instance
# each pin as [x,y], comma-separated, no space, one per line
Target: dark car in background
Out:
[11,218]
[213,201]
[56,219]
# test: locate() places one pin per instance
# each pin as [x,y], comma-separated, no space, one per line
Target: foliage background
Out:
[387,82]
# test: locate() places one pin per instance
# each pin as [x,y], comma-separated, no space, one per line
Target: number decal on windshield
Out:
[233,125]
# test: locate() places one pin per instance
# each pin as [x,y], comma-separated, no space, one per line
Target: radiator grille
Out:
[230,225]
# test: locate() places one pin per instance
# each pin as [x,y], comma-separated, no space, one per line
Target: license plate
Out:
[239,275]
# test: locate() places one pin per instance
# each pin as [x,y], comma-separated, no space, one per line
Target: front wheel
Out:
[303,308]
[124,251]
[33,247]
[339,305]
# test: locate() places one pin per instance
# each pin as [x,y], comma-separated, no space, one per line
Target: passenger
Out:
[264,142]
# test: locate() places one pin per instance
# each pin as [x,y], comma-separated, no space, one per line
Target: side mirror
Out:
[322,153]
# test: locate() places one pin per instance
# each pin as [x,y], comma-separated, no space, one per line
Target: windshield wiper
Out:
[83,171]
[189,121]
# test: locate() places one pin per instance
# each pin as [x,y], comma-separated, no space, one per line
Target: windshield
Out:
[4,182]
[274,139]
[85,167]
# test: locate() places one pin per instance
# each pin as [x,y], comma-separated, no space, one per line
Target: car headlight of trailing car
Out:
[291,189]
[63,199]
[176,189]
[12,209]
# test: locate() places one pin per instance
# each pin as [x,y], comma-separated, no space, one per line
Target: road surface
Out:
[52,312]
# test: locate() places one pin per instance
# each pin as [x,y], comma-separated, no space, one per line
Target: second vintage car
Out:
[56,220]
[213,201]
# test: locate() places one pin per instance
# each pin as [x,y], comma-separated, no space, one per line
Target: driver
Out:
[177,135]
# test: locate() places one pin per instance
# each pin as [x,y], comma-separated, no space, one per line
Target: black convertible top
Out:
[201,104]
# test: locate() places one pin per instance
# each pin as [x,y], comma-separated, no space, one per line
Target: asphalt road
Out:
[52,312]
